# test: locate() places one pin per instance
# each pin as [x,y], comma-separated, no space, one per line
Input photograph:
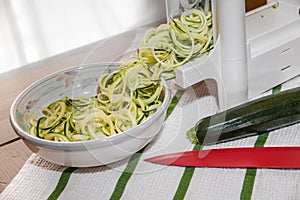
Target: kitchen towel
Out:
[133,178]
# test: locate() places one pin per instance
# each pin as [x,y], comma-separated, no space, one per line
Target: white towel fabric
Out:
[39,178]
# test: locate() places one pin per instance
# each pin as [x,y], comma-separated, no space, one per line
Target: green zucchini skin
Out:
[254,117]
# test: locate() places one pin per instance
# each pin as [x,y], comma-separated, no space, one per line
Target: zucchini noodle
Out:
[172,45]
[128,96]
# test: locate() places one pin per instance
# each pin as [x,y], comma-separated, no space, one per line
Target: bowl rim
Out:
[90,144]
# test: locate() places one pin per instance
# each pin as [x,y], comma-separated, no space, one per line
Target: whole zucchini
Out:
[254,117]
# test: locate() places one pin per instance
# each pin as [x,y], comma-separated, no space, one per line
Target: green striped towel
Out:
[132,178]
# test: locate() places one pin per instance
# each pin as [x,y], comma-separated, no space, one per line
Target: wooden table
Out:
[13,152]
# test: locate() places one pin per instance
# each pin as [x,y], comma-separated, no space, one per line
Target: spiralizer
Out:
[253,52]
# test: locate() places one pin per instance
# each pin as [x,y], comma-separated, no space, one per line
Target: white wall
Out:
[36,29]
[9,55]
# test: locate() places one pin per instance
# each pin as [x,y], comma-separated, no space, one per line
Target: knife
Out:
[262,157]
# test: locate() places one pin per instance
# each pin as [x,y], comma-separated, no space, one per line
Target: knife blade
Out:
[262,157]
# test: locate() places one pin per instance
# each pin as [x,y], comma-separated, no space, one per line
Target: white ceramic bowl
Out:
[79,82]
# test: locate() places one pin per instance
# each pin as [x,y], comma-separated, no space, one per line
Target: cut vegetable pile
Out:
[131,94]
